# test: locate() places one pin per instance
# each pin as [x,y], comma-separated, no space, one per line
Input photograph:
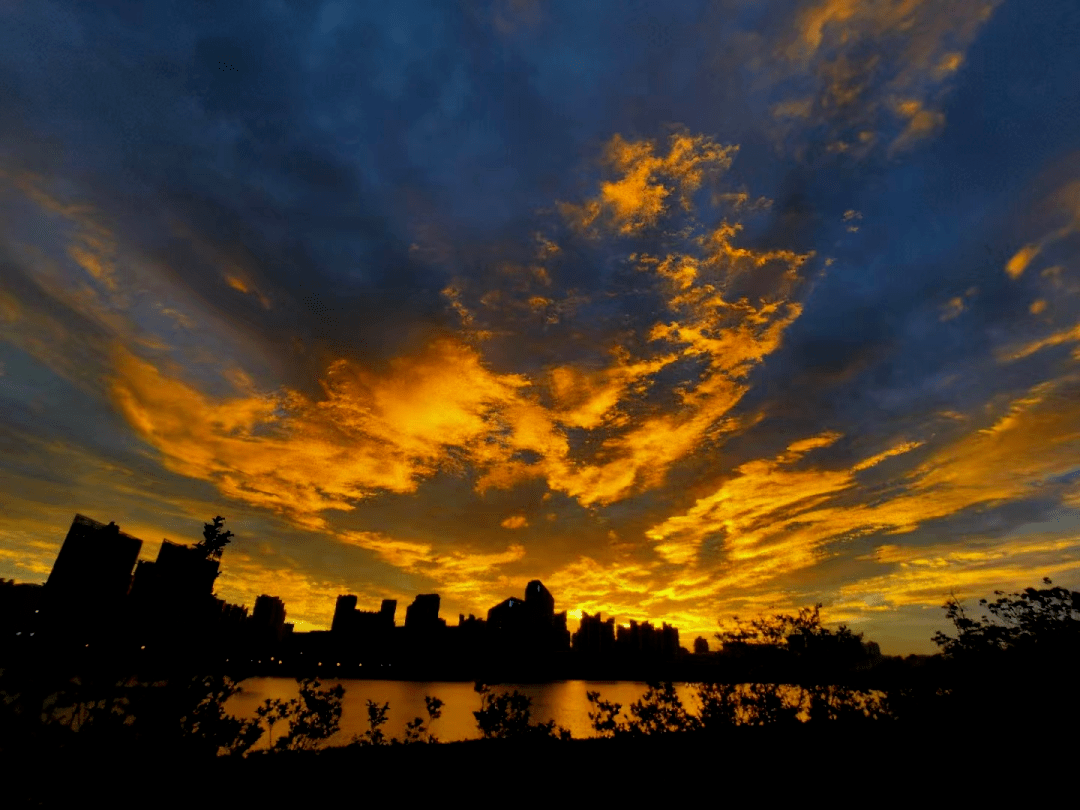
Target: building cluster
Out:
[597,639]
[100,597]
[101,600]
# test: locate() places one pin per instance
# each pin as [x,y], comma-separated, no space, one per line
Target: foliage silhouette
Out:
[1015,660]
[776,629]
[416,731]
[1036,622]
[777,645]
[377,718]
[842,704]
[605,720]
[95,711]
[659,711]
[272,711]
[214,540]
[206,723]
[312,717]
[504,715]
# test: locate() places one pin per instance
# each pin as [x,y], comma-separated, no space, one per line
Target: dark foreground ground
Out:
[854,766]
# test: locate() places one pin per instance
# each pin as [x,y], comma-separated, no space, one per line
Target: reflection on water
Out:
[562,701]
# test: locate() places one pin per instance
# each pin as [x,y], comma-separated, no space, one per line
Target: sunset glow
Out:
[727,309]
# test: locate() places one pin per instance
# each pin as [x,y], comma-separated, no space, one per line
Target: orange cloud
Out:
[771,519]
[645,180]
[1070,335]
[928,576]
[874,63]
[371,432]
[899,449]
[1019,263]
[515,522]
[921,123]
[466,576]
[952,309]
[309,599]
[245,286]
[731,306]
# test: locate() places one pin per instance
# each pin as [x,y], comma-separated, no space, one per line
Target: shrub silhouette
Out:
[659,711]
[102,710]
[206,724]
[416,731]
[313,717]
[377,718]
[772,649]
[505,715]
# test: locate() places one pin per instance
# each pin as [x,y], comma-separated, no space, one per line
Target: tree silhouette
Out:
[1013,661]
[1036,622]
[801,632]
[214,539]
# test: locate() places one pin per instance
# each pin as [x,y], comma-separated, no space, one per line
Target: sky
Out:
[689,310]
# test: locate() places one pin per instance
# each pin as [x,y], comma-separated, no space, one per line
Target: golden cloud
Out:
[590,586]
[875,63]
[952,309]
[771,519]
[638,197]
[921,123]
[1070,335]
[731,306]
[466,576]
[25,554]
[309,600]
[1019,263]
[928,576]
[283,452]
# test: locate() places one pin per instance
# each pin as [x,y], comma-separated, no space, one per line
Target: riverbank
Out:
[853,764]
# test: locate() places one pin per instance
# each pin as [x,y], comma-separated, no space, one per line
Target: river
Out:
[562,701]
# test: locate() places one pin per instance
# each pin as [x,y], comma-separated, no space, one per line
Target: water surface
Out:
[562,701]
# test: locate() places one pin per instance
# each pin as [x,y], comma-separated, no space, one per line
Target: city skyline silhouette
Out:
[639,378]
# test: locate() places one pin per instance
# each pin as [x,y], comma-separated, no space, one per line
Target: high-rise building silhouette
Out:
[423,613]
[595,637]
[94,564]
[343,613]
[503,617]
[528,626]
[362,635]
[539,602]
[644,641]
[268,620]
[182,574]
